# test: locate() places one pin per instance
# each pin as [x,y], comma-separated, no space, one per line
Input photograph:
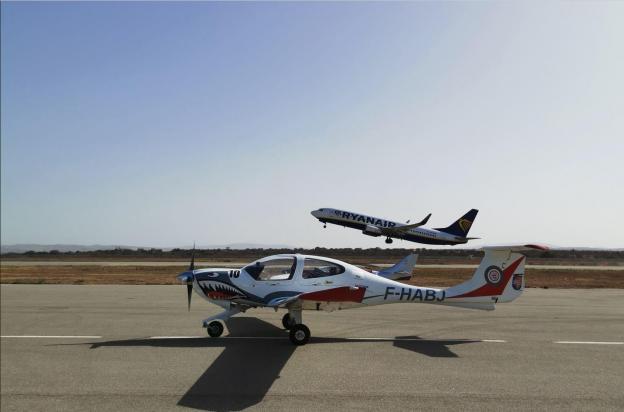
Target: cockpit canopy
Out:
[281,268]
[285,267]
[319,268]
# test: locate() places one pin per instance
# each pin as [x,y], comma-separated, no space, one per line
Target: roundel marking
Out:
[493,275]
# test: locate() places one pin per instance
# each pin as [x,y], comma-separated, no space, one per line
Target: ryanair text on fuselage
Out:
[365,219]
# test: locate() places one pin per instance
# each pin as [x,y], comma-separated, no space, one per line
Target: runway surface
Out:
[67,347]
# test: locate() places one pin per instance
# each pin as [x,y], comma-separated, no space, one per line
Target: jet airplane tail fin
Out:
[402,270]
[461,226]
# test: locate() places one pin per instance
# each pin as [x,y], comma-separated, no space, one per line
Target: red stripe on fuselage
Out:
[493,290]
[342,294]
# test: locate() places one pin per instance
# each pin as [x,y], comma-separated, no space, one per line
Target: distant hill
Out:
[63,248]
[27,247]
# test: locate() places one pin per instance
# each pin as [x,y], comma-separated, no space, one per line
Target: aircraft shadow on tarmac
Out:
[244,372]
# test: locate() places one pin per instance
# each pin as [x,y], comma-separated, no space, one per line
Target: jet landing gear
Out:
[299,333]
[388,240]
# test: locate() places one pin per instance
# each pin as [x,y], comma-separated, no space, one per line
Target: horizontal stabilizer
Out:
[516,248]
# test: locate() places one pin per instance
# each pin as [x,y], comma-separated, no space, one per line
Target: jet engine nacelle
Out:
[371,230]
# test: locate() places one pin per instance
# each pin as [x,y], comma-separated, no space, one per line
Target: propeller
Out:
[189,292]
[192,265]
[188,277]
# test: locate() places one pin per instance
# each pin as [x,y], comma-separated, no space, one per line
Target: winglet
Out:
[425,220]
[405,228]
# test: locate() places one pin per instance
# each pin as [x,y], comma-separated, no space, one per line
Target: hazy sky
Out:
[158,124]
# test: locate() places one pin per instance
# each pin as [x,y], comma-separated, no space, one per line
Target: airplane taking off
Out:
[301,282]
[454,234]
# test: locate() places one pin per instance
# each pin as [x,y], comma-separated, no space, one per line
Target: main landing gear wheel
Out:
[287,321]
[299,334]
[214,329]
[388,240]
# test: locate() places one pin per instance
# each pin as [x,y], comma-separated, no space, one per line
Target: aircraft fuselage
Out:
[362,222]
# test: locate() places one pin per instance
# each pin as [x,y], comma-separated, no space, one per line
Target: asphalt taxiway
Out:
[70,347]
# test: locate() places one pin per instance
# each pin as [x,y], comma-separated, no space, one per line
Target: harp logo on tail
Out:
[464,224]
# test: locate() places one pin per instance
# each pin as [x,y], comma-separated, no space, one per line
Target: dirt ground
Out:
[165,275]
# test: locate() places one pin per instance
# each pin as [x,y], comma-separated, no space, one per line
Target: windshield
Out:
[274,269]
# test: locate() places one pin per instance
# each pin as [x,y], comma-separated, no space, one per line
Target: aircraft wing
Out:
[331,294]
[283,301]
[400,230]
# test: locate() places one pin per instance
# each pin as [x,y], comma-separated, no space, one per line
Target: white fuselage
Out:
[353,287]
[368,225]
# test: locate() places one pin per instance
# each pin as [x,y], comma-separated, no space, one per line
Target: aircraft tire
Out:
[287,322]
[299,334]
[214,329]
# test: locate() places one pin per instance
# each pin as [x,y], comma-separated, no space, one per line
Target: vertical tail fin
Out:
[499,278]
[462,225]
[402,270]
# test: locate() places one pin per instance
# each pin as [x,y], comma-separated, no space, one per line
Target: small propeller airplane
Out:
[302,282]
[455,234]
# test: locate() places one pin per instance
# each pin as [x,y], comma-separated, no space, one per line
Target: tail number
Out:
[409,294]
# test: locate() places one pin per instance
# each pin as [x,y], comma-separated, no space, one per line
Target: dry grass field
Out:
[165,275]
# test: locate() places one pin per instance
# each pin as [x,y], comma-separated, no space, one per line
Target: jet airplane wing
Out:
[400,230]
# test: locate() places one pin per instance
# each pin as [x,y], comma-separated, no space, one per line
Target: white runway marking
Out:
[50,337]
[588,342]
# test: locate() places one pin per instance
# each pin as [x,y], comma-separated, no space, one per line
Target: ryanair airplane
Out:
[454,234]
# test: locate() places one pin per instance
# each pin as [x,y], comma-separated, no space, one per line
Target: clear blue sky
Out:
[157,124]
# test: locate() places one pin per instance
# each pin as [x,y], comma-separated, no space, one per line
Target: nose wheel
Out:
[388,240]
[214,329]
[299,334]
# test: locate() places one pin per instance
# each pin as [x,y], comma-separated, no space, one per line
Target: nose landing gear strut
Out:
[388,240]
